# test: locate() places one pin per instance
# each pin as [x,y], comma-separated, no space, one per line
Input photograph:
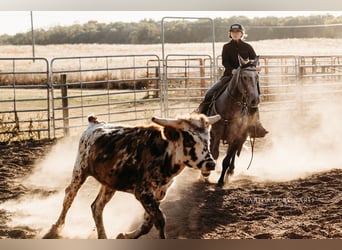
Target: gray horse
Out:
[234,104]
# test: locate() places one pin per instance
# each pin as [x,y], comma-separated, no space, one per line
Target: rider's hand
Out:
[234,71]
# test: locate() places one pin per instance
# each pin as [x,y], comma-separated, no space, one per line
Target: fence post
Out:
[300,79]
[157,82]
[202,75]
[64,92]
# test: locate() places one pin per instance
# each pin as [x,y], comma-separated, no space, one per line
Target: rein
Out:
[252,141]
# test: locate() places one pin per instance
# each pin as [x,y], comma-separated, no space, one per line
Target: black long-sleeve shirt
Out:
[230,52]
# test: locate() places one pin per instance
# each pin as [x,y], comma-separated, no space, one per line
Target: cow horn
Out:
[214,118]
[164,121]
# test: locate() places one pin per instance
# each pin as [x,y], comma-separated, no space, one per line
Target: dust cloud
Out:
[299,144]
[40,209]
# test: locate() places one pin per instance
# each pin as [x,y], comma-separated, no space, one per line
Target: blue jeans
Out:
[213,89]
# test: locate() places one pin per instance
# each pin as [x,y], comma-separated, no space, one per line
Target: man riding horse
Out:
[230,60]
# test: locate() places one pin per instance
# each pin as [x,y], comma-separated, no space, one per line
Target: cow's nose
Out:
[210,165]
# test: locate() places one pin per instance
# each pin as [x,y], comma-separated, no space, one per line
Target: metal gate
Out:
[24,99]
[122,88]
[187,77]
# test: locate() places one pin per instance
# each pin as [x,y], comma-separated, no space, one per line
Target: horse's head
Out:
[246,81]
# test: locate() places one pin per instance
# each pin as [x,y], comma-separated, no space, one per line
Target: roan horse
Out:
[233,104]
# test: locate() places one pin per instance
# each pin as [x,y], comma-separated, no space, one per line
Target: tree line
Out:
[148,31]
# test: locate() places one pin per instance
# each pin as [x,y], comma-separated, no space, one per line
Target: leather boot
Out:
[256,129]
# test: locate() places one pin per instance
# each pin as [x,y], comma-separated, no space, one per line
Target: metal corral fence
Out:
[294,83]
[131,88]
[115,88]
[186,79]
[24,99]
[279,83]
[290,82]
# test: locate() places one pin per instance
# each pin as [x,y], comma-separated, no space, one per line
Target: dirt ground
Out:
[308,208]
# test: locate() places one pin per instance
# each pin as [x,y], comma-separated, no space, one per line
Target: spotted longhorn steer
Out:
[140,160]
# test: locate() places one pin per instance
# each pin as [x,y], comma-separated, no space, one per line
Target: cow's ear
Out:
[171,133]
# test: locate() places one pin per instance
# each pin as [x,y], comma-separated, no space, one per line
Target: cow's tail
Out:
[92,119]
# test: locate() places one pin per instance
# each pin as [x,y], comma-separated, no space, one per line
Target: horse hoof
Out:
[220,184]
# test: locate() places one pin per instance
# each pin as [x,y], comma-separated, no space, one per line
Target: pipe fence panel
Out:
[279,83]
[117,89]
[187,77]
[24,99]
[131,88]
[320,78]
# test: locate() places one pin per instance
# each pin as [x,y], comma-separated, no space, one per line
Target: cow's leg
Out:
[103,197]
[152,215]
[151,206]
[77,180]
[143,229]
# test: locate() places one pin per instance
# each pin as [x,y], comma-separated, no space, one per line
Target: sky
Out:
[20,21]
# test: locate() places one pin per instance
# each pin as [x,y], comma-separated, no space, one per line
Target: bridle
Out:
[238,82]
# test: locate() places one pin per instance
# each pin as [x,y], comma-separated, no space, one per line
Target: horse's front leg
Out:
[231,166]
[228,163]
[225,164]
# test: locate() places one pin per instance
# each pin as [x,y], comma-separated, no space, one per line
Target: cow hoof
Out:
[51,235]
[121,236]
[206,179]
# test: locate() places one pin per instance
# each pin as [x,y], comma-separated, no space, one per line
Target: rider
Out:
[230,61]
